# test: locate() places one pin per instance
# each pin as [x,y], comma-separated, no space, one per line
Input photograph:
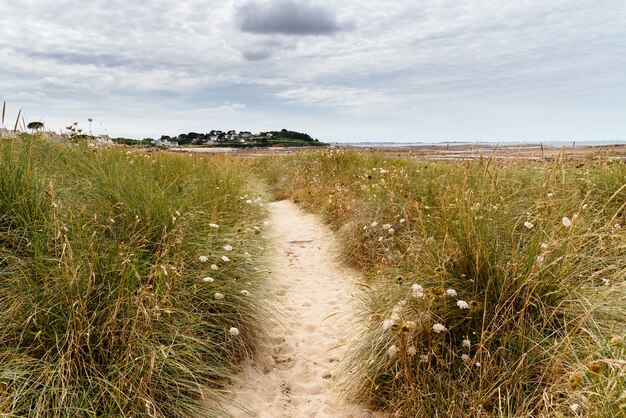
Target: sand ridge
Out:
[293,375]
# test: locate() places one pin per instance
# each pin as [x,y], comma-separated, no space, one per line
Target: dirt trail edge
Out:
[293,375]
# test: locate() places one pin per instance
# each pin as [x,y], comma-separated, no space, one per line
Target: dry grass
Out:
[536,251]
[104,305]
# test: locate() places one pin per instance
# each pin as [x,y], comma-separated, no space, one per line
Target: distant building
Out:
[164,143]
[231,135]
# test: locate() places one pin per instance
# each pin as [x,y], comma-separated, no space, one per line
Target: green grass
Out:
[103,305]
[544,330]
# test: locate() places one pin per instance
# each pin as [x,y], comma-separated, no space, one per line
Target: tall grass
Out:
[495,289]
[106,304]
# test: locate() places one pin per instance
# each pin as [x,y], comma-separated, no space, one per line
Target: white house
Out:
[164,143]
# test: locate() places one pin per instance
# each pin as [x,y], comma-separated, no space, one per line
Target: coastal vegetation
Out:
[132,283]
[244,139]
[124,291]
[493,288]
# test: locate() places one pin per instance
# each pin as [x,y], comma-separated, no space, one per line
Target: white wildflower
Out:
[228,248]
[462,304]
[467,343]
[439,328]
[233,331]
[386,226]
[451,292]
[550,194]
[585,206]
[245,292]
[214,267]
[225,259]
[574,407]
[249,202]
[397,310]
[567,222]
[387,323]
[203,258]
[540,259]
[528,225]
[392,351]
[219,296]
[214,226]
[411,324]
[391,230]
[411,351]
[465,358]
[544,245]
[374,224]
[617,226]
[208,279]
[380,239]
[402,220]
[418,291]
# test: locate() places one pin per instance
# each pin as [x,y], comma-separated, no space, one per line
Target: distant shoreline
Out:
[481,143]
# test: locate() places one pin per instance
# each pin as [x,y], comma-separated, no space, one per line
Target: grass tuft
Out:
[496,288]
[104,305]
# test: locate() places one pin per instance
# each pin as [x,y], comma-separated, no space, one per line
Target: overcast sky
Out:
[350,70]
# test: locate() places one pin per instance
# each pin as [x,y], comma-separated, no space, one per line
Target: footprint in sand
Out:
[294,376]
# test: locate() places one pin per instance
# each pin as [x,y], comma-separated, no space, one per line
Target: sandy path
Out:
[293,376]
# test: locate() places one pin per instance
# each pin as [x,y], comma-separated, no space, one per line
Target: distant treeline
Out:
[284,133]
[229,136]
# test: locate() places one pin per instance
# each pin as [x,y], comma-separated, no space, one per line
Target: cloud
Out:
[255,50]
[447,68]
[287,17]
[228,108]
[73,58]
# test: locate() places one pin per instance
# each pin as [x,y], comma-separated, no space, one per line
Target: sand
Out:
[294,374]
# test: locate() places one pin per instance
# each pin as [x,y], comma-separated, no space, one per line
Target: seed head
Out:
[439,328]
[462,304]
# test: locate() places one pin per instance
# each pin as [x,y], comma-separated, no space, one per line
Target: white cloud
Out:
[450,66]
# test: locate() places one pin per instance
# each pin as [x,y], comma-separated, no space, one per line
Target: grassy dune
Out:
[495,289]
[120,294]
